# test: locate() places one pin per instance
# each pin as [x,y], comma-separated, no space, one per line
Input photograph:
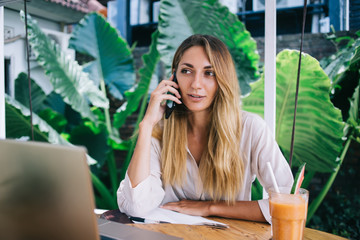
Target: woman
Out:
[204,158]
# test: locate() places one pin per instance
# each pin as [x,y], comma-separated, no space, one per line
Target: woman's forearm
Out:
[248,210]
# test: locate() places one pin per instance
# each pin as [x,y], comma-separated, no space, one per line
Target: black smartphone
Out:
[170,105]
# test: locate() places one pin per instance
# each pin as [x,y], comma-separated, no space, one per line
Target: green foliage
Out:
[22,93]
[319,127]
[39,105]
[344,78]
[341,203]
[79,109]
[65,75]
[18,125]
[113,62]
[179,19]
[54,119]
[136,94]
[344,221]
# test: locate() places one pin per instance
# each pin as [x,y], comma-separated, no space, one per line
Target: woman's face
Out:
[196,79]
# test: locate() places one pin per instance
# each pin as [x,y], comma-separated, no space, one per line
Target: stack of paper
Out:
[161,215]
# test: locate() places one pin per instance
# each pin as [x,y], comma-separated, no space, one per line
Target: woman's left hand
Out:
[191,207]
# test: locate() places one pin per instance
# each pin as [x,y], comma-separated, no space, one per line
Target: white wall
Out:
[16,50]
[231,4]
[2,82]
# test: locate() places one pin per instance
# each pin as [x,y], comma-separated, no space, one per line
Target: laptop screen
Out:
[45,192]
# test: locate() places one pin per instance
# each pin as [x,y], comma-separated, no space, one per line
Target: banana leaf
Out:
[319,126]
[18,126]
[65,74]
[179,19]
[113,62]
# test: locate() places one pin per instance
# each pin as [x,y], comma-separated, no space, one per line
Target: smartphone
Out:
[170,105]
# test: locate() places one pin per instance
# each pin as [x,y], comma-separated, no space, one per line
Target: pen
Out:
[144,220]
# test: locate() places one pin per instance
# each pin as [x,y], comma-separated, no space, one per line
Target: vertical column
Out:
[121,14]
[2,72]
[270,65]
[347,15]
[335,14]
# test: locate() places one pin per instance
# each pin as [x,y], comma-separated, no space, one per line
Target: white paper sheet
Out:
[164,215]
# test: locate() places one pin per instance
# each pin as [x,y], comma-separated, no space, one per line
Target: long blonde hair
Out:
[221,165]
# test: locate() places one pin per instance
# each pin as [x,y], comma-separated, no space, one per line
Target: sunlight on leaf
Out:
[319,126]
[113,62]
[65,74]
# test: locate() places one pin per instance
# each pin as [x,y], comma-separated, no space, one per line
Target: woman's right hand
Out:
[157,103]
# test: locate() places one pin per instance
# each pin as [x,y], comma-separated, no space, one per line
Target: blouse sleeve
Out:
[265,149]
[148,194]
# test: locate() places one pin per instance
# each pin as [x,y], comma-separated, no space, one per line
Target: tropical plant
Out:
[345,95]
[319,126]
[343,82]
[85,112]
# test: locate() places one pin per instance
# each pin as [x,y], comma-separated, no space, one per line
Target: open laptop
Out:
[46,193]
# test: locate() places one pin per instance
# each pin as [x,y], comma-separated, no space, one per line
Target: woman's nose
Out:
[197,81]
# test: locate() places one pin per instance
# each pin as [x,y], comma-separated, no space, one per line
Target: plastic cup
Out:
[288,213]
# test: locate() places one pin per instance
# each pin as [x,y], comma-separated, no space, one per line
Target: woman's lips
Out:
[196,98]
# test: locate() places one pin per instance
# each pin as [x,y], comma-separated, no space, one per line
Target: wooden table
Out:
[238,229]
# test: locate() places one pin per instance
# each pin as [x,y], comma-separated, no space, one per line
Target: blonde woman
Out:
[203,159]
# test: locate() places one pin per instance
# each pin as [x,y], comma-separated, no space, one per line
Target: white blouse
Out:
[258,145]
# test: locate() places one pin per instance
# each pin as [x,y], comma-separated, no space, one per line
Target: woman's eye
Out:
[210,73]
[185,71]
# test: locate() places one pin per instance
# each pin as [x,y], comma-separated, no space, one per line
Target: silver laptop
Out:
[46,193]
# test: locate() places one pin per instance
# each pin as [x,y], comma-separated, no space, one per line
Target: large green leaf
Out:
[113,62]
[54,119]
[182,18]
[65,74]
[22,93]
[140,90]
[319,127]
[18,126]
[94,141]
